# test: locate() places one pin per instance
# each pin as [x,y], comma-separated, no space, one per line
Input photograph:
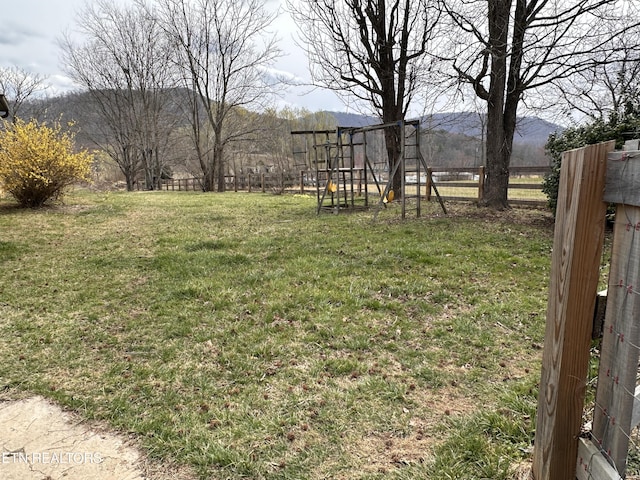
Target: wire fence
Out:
[611,449]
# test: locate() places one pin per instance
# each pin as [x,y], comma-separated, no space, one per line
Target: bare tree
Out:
[506,49]
[225,51]
[606,89]
[126,66]
[19,86]
[373,50]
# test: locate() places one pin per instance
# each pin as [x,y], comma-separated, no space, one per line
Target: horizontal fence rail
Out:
[467,184]
[463,184]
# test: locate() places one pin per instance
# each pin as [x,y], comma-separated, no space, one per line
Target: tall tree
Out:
[224,51]
[20,86]
[125,64]
[604,91]
[505,49]
[373,50]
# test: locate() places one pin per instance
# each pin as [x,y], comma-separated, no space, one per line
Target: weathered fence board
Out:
[615,396]
[578,241]
[623,178]
[591,464]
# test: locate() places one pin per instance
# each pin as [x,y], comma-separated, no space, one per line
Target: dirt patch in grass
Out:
[523,471]
[518,215]
[532,217]
[381,453]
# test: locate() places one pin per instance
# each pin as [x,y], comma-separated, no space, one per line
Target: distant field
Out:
[243,336]
[469,190]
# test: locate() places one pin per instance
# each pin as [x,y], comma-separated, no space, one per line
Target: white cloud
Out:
[29,31]
[31,28]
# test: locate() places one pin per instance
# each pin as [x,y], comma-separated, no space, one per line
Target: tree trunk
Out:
[498,145]
[497,181]
[129,180]
[392,141]
[392,113]
[218,155]
[127,167]
[222,186]
[157,168]
[148,171]
[208,182]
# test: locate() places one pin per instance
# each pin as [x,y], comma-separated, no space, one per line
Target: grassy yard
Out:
[242,336]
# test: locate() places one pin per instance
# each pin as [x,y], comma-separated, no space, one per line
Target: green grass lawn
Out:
[242,336]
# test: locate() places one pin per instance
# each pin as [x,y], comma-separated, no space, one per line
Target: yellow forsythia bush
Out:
[38,162]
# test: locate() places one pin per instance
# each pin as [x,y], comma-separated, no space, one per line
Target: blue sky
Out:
[30,28]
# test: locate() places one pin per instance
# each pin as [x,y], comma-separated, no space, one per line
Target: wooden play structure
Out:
[349,167]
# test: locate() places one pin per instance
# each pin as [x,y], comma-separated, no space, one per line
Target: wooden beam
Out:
[615,396]
[575,271]
[592,465]
[623,178]
[635,415]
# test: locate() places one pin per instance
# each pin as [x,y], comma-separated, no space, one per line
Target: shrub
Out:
[616,127]
[38,162]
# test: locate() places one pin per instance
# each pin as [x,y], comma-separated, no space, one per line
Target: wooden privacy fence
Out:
[590,178]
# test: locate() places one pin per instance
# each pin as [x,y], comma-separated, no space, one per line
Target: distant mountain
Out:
[345,119]
[530,130]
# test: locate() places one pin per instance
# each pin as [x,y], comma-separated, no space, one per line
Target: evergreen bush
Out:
[616,127]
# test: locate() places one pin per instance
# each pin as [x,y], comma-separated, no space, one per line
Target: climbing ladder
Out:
[414,172]
[343,171]
[337,162]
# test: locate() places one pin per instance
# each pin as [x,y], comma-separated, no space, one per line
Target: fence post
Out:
[615,396]
[480,184]
[302,182]
[573,284]
[429,181]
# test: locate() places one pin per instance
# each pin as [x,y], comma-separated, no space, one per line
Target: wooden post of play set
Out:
[575,271]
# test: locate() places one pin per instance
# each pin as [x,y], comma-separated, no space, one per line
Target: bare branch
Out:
[224,54]
[519,47]
[19,86]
